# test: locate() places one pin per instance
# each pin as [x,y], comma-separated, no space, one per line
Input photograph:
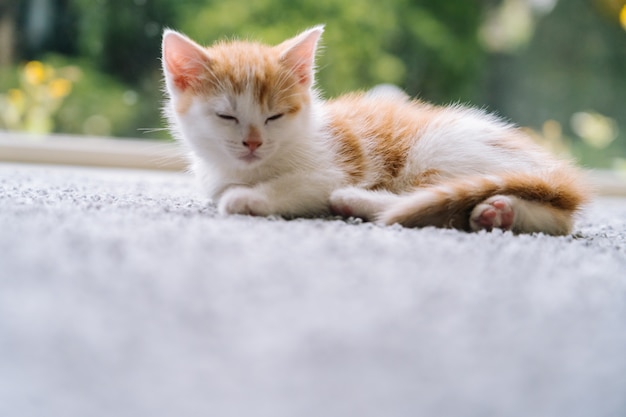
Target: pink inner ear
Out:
[304,73]
[183,60]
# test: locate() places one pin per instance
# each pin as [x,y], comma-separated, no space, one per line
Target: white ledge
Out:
[90,151]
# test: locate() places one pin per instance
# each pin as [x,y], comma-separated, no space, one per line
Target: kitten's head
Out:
[239,102]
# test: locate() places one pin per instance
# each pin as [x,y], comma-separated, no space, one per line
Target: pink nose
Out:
[252,144]
[253,141]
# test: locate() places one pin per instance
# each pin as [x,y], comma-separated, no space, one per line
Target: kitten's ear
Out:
[183,60]
[299,54]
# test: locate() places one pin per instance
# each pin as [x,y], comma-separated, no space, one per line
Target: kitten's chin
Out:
[250,159]
[254,159]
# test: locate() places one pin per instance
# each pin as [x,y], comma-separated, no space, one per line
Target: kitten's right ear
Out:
[183,60]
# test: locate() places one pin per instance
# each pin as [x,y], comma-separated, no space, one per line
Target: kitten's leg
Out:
[359,202]
[520,216]
[297,194]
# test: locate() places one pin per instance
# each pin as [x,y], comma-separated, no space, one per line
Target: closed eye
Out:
[227,117]
[274,117]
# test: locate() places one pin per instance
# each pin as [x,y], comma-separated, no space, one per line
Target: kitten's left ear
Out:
[299,54]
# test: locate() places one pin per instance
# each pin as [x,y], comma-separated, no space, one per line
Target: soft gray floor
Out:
[124,294]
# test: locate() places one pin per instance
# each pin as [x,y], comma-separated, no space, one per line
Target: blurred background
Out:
[556,67]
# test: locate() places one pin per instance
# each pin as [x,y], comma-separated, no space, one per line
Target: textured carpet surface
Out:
[123,293]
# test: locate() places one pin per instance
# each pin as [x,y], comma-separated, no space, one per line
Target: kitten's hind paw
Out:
[495,212]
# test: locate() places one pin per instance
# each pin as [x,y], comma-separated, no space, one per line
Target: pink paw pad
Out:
[496,212]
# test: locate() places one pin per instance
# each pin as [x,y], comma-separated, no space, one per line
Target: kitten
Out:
[262,142]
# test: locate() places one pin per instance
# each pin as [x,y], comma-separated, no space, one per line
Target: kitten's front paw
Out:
[242,200]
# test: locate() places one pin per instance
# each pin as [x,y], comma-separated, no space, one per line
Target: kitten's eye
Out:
[274,117]
[227,117]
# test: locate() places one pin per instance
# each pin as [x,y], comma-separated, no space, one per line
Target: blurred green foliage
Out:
[525,59]
[427,47]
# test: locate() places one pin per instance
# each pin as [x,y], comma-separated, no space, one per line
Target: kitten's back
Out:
[375,133]
[387,141]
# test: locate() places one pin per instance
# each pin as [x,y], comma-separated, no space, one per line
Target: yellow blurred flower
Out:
[34,72]
[622,17]
[59,87]
[594,129]
[16,97]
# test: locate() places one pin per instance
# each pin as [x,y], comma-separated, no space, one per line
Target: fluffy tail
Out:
[544,201]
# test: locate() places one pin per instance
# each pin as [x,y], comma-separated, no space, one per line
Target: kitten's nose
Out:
[252,144]
[253,141]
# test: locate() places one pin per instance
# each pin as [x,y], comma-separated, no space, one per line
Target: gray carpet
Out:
[124,294]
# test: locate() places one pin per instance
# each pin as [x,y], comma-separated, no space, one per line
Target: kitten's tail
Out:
[549,199]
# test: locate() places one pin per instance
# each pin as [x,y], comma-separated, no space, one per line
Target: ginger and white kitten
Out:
[262,142]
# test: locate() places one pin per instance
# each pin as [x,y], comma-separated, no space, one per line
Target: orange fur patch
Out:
[428,177]
[350,153]
[238,67]
[377,133]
